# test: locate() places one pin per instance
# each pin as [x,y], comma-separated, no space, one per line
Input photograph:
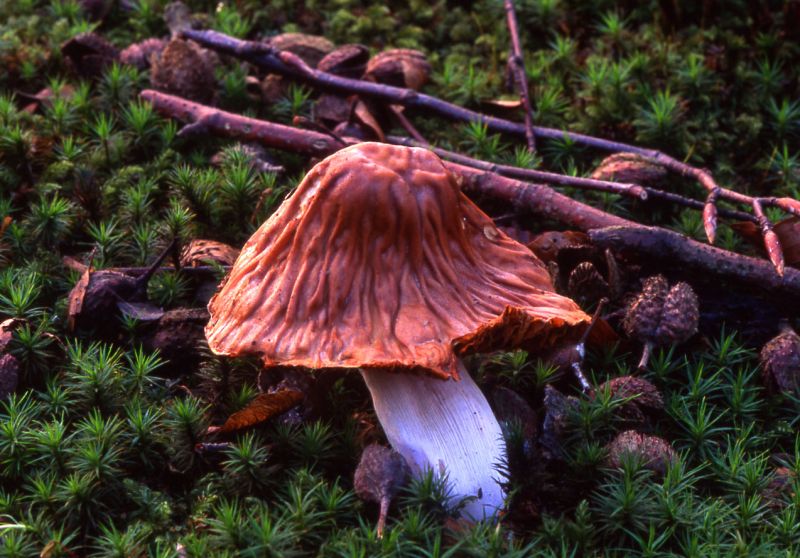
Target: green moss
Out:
[102,454]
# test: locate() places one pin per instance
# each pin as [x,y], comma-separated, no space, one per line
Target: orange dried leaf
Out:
[364,115]
[262,408]
[788,234]
[76,297]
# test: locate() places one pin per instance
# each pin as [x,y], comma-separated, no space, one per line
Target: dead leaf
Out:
[346,61]
[76,298]
[602,335]
[401,67]
[6,222]
[332,108]
[363,114]
[6,331]
[262,408]
[310,48]
[787,231]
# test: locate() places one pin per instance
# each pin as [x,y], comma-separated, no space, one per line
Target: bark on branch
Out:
[605,229]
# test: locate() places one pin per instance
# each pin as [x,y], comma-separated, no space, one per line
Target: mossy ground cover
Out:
[102,445]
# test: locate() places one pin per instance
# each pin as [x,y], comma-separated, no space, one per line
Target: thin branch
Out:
[517,64]
[409,127]
[679,250]
[771,242]
[632,190]
[670,248]
[627,189]
[289,64]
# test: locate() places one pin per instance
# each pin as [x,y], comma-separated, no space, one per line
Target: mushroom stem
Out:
[445,425]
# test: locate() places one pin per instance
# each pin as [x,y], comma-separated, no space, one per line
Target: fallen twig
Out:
[286,63]
[517,65]
[539,199]
[681,251]
[626,189]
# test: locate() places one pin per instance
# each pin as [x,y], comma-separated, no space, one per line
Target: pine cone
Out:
[186,70]
[644,398]
[780,363]
[655,453]
[644,314]
[139,54]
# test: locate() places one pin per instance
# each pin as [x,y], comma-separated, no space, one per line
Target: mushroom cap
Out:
[378,260]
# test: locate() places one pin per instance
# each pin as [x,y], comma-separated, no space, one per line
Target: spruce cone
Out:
[139,54]
[9,375]
[585,285]
[655,453]
[780,363]
[644,398]
[660,316]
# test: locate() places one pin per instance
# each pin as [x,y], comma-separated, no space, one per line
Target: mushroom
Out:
[379,262]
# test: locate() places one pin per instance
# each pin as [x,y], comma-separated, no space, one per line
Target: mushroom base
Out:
[445,425]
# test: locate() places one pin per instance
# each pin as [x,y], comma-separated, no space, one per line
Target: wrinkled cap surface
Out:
[379,260]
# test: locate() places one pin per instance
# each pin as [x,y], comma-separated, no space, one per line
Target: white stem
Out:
[443,425]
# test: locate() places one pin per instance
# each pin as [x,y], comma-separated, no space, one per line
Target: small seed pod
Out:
[400,67]
[346,61]
[585,285]
[629,167]
[139,54]
[655,453]
[661,316]
[644,398]
[780,363]
[310,48]
[185,69]
[380,475]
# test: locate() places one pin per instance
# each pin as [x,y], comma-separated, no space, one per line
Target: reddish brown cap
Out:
[379,260]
